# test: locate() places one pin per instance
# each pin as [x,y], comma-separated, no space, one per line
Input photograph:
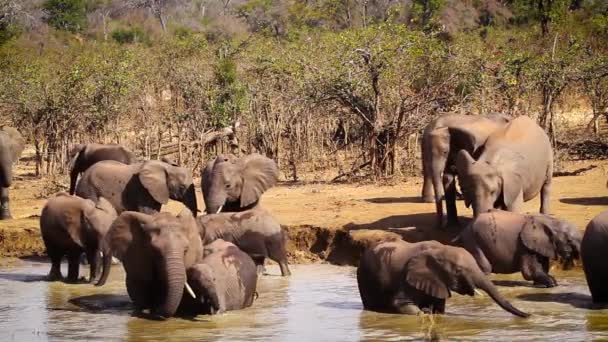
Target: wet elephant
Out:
[142,187]
[516,165]
[70,226]
[507,242]
[594,253]
[155,251]
[84,156]
[11,146]
[402,277]
[439,148]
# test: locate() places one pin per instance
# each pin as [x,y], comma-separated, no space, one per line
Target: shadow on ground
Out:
[574,299]
[602,200]
[384,200]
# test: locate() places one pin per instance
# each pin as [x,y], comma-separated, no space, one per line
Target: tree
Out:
[68,15]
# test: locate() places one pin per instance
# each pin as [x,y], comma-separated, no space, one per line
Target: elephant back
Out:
[107,179]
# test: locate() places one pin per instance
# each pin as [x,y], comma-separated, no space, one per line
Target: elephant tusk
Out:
[479,292]
[219,209]
[189,289]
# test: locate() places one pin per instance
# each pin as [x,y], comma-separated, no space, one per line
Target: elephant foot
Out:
[428,199]
[5,215]
[54,276]
[547,282]
[81,280]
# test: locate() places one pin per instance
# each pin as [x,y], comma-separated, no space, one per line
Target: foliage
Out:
[68,15]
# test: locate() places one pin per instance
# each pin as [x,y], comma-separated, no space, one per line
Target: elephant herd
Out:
[190,264]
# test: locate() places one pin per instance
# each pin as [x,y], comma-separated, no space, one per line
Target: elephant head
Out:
[436,271]
[552,238]
[237,183]
[18,142]
[202,279]
[155,250]
[486,186]
[165,181]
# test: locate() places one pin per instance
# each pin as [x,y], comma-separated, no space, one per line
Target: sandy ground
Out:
[330,207]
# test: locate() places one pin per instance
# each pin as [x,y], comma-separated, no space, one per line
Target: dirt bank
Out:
[332,222]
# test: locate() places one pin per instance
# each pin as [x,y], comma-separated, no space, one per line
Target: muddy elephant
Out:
[155,251]
[594,253]
[507,242]
[84,156]
[516,164]
[11,146]
[402,277]
[142,187]
[224,280]
[255,231]
[235,184]
[70,226]
[439,148]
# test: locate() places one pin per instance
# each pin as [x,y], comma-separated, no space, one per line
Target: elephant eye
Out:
[228,186]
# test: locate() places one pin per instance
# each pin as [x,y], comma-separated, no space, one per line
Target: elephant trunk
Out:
[107,263]
[190,200]
[174,274]
[486,285]
[214,203]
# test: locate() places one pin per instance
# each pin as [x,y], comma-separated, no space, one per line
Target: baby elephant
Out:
[508,242]
[255,231]
[402,277]
[224,280]
[71,225]
[594,253]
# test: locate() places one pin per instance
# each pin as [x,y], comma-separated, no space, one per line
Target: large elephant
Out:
[70,226]
[594,253]
[402,277]
[507,242]
[84,156]
[439,148]
[516,164]
[155,251]
[142,187]
[224,280]
[236,184]
[11,146]
[255,231]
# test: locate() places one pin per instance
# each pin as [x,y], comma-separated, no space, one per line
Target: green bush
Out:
[130,35]
[67,15]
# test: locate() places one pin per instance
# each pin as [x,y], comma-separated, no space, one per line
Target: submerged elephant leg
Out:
[73,265]
[449,182]
[5,212]
[276,252]
[533,269]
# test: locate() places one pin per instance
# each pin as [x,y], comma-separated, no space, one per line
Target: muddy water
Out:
[318,303]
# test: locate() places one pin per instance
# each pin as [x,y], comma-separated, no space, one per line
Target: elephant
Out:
[84,156]
[142,186]
[254,231]
[11,146]
[155,251]
[439,149]
[406,278]
[516,164]
[224,280]
[71,225]
[594,253]
[507,242]
[235,184]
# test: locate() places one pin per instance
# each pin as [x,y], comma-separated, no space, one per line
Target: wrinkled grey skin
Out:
[439,149]
[507,242]
[516,164]
[11,146]
[224,280]
[70,226]
[83,156]
[255,231]
[142,187]
[236,184]
[594,254]
[402,277]
[155,251]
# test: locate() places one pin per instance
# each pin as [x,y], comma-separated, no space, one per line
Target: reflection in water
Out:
[318,303]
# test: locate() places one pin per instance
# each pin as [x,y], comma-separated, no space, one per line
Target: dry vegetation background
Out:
[331,89]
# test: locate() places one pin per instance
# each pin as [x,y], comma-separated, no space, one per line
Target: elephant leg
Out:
[5,212]
[545,196]
[93,256]
[138,294]
[427,185]
[55,255]
[259,262]
[276,252]
[533,269]
[73,265]
[449,182]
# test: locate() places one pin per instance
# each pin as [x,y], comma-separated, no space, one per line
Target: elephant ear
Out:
[463,137]
[18,142]
[153,176]
[425,273]
[537,237]
[127,229]
[259,174]
[511,187]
